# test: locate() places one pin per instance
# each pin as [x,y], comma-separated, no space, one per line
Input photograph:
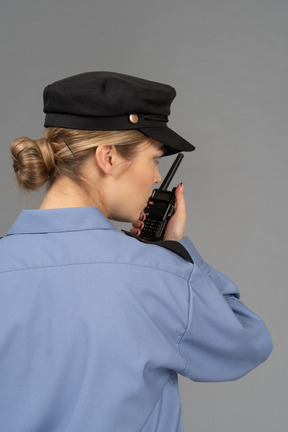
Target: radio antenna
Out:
[167,180]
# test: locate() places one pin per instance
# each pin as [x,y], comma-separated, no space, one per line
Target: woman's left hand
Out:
[176,225]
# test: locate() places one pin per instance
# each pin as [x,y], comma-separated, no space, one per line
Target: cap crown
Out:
[106,94]
[113,101]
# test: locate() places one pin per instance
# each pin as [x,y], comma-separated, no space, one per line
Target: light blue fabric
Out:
[95,326]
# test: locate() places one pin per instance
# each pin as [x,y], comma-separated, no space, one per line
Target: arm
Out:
[223,340]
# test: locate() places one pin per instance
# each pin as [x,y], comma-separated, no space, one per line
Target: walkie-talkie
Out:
[160,206]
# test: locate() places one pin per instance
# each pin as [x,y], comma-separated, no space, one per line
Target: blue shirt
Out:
[95,326]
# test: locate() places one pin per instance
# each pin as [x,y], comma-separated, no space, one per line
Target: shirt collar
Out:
[59,220]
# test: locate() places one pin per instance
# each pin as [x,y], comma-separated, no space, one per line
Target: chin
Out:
[125,214]
[124,218]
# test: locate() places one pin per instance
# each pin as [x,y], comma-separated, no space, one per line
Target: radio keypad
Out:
[152,228]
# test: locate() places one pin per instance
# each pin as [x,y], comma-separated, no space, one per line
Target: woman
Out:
[96,325]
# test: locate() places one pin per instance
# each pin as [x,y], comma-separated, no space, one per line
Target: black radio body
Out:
[160,207]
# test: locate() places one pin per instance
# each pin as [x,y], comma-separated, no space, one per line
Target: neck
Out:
[65,193]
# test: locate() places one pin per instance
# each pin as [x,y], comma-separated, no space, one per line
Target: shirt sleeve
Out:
[223,340]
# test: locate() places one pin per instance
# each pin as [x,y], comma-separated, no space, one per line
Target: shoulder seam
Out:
[94,263]
[188,318]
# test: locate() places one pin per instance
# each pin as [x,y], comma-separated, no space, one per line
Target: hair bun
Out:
[33,161]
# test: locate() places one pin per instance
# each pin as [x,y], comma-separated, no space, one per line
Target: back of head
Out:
[88,110]
[62,152]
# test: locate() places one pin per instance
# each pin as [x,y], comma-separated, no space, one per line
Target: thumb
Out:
[180,207]
[176,225]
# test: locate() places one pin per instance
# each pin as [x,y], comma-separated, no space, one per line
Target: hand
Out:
[176,225]
[138,225]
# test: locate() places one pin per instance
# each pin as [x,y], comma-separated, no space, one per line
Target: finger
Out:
[135,231]
[180,207]
[138,224]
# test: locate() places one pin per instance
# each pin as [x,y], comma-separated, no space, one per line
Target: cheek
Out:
[148,176]
[143,187]
[126,203]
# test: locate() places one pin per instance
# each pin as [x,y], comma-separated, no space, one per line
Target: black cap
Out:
[113,101]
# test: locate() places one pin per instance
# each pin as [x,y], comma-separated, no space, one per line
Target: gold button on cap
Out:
[134,118]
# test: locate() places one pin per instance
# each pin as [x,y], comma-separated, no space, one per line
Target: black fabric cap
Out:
[113,101]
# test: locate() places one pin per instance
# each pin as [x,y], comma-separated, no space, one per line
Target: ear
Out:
[107,158]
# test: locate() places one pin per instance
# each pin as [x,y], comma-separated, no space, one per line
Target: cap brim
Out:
[173,142]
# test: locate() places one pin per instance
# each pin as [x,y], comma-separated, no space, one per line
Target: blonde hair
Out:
[63,151]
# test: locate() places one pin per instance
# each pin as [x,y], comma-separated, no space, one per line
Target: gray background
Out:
[228,61]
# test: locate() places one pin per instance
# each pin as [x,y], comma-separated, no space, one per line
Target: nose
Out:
[158,177]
